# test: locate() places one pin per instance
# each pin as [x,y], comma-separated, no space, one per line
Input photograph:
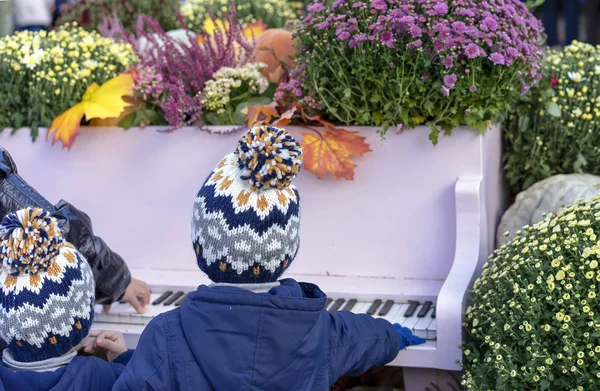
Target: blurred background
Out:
[564,20]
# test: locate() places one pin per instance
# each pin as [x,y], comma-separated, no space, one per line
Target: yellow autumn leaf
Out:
[210,26]
[251,30]
[105,101]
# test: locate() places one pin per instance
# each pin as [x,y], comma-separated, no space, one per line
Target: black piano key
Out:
[173,298]
[178,303]
[433,313]
[424,309]
[162,298]
[327,302]
[386,308]
[373,307]
[336,306]
[349,305]
[411,309]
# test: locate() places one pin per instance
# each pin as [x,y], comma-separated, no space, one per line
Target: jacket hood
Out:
[273,339]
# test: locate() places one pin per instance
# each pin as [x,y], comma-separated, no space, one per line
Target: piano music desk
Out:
[416,224]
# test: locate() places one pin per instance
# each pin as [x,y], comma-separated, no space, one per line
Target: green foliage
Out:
[273,13]
[371,73]
[91,13]
[555,129]
[43,74]
[534,322]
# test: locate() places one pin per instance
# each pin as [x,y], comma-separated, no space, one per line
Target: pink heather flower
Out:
[472,50]
[344,35]
[445,91]
[448,62]
[473,88]
[497,58]
[450,80]
[316,7]
[441,8]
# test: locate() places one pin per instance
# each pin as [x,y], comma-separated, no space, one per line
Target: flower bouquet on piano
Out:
[440,63]
[534,322]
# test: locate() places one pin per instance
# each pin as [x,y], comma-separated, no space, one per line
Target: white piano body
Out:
[417,222]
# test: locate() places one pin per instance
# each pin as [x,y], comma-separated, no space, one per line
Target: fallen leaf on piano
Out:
[266,113]
[330,151]
[104,101]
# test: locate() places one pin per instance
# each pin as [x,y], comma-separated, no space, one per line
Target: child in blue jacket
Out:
[46,310]
[249,330]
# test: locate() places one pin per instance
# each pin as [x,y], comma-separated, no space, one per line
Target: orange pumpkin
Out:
[274,47]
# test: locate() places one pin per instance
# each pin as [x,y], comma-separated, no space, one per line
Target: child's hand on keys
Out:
[407,338]
[110,342]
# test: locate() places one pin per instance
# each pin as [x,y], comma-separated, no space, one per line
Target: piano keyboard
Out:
[417,316]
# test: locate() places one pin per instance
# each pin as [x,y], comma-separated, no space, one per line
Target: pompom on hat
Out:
[246,222]
[46,288]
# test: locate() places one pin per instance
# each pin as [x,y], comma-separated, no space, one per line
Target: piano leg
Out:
[425,379]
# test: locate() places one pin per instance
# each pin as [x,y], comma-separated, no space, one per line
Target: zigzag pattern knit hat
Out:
[246,222]
[46,288]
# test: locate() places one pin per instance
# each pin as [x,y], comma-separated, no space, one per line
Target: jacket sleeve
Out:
[148,368]
[110,271]
[360,342]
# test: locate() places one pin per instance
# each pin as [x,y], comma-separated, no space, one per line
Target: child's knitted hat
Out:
[46,288]
[246,222]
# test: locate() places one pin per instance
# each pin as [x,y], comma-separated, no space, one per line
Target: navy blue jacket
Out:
[82,373]
[226,338]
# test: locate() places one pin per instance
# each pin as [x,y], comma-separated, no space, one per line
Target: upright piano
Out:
[403,241]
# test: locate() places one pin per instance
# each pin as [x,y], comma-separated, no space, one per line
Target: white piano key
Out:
[420,329]
[99,315]
[361,307]
[391,314]
[399,318]
[412,321]
[432,330]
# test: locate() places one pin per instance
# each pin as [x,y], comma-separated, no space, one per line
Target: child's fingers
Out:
[110,346]
[110,335]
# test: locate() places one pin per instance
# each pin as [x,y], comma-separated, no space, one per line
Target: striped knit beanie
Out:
[46,288]
[245,227]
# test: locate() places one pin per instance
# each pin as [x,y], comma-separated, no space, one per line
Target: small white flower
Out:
[575,76]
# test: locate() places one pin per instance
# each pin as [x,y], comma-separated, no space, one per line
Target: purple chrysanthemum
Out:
[473,88]
[441,8]
[344,35]
[472,50]
[448,62]
[316,7]
[450,80]
[497,58]
[445,91]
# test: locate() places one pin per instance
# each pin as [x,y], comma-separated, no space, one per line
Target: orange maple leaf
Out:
[253,113]
[330,151]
